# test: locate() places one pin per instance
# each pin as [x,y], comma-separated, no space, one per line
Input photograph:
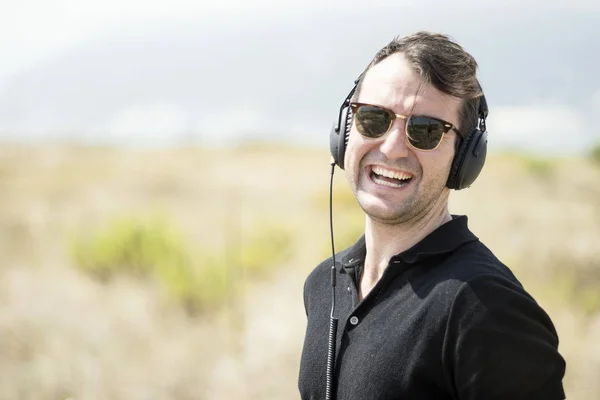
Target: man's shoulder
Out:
[318,275]
[322,272]
[471,264]
[473,280]
[474,261]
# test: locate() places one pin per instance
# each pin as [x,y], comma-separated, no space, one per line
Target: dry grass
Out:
[63,335]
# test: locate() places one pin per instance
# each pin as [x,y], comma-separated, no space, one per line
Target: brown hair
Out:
[443,63]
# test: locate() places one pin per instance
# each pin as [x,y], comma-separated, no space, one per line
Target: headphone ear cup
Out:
[468,161]
[338,138]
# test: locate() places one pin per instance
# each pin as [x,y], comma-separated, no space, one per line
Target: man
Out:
[425,310]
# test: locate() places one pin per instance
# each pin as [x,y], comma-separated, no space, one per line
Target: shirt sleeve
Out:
[500,344]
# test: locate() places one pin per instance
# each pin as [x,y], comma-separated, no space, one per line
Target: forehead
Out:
[392,83]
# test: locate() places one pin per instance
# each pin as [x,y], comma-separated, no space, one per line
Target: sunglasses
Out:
[423,133]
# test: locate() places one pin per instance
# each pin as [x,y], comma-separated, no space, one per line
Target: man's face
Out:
[394,85]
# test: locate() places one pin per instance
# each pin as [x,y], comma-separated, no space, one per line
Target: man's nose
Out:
[394,143]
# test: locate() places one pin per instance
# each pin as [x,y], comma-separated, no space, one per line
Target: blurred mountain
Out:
[284,77]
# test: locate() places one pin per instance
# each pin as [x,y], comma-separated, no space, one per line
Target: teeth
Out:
[391,174]
[390,184]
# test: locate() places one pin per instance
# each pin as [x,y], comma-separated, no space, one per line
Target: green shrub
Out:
[137,247]
[268,246]
[197,289]
[154,251]
[540,167]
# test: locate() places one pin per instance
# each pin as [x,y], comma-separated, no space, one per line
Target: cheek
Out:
[436,165]
[446,153]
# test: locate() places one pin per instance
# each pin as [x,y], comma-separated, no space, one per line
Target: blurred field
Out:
[65,334]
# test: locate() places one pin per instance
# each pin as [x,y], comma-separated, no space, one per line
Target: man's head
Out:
[444,64]
[419,75]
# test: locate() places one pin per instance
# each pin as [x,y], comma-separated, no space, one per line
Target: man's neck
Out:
[383,241]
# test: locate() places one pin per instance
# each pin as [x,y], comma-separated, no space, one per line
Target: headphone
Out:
[469,156]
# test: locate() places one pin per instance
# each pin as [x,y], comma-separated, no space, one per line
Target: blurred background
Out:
[164,182]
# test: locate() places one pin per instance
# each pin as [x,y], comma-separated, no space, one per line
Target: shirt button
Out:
[354,320]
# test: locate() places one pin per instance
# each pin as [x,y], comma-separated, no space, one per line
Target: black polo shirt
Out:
[447,320]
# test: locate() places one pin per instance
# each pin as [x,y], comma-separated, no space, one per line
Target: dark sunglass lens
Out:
[372,121]
[424,133]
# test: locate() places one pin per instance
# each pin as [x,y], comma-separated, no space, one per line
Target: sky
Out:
[160,73]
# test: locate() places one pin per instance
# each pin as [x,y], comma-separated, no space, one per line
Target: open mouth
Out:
[386,177]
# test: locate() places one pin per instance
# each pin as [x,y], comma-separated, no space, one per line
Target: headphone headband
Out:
[346,103]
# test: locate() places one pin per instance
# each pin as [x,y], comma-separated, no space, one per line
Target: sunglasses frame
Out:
[393,116]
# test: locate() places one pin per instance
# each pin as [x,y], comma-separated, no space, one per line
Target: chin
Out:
[383,211]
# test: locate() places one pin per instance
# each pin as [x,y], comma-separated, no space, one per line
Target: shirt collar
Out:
[444,239]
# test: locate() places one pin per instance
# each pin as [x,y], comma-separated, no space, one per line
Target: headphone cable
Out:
[333,322]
